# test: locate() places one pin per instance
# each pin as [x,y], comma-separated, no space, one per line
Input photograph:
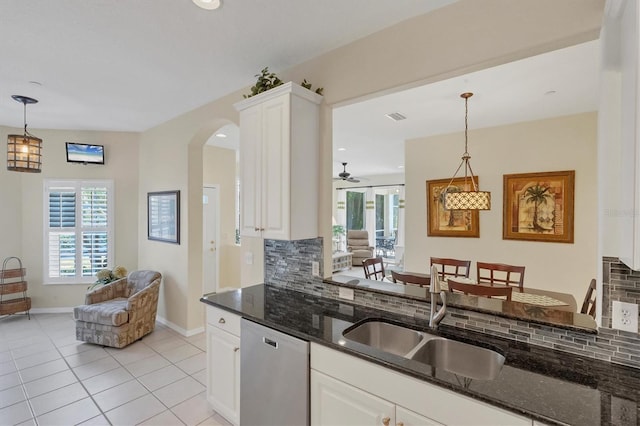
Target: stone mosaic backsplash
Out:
[618,283]
[288,265]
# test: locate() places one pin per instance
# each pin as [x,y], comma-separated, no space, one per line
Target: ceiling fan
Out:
[346,176]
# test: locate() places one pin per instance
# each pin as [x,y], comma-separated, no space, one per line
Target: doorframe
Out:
[217,229]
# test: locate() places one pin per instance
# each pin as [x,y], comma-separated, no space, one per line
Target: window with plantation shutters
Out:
[78,229]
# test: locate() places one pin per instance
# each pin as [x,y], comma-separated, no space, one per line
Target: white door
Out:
[209,239]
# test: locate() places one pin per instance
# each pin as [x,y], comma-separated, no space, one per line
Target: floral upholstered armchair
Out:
[120,312]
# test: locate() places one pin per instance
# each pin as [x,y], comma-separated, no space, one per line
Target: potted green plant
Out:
[268,80]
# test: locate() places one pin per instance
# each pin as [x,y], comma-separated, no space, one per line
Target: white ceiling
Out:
[129,65]
[557,83]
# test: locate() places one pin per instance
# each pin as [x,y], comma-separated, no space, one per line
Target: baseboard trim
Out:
[178,329]
[63,310]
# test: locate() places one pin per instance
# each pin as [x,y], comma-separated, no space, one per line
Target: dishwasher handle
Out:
[270,342]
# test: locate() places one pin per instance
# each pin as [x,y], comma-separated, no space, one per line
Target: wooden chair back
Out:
[480,290]
[451,267]
[499,273]
[589,304]
[409,279]
[373,268]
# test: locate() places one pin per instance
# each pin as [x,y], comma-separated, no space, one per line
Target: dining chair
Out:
[373,268]
[589,304]
[480,290]
[451,267]
[499,273]
[403,278]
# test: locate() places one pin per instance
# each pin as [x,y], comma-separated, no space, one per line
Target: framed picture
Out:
[449,223]
[163,216]
[539,206]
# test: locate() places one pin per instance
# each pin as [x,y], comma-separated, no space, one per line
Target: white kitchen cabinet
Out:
[279,166]
[406,417]
[415,401]
[336,403]
[223,363]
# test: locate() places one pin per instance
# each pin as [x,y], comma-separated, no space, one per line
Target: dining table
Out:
[532,296]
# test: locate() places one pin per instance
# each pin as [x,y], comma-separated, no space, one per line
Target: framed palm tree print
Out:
[539,206]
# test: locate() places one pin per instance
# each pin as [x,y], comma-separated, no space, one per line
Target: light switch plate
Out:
[624,316]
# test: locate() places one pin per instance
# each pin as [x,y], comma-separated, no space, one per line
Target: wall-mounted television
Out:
[84,153]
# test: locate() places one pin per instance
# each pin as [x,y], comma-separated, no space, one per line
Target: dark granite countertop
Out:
[547,385]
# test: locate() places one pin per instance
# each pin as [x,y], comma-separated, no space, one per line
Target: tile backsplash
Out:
[288,264]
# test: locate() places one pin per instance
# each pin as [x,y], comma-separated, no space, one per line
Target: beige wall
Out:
[563,143]
[219,167]
[23,223]
[451,41]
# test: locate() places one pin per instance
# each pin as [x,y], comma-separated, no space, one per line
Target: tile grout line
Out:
[120,364]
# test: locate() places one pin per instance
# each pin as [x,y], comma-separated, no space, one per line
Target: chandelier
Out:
[470,198]
[24,151]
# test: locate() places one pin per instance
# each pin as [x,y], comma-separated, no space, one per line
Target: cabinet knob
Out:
[236,349]
[256,229]
[386,420]
[400,424]
[221,320]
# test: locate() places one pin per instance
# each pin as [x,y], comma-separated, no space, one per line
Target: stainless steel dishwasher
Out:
[274,377]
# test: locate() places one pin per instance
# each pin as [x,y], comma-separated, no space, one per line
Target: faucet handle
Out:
[434,286]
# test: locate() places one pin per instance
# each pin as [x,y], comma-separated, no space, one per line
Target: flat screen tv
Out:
[84,153]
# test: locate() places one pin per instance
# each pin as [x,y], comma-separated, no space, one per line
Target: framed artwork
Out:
[539,206]
[449,223]
[163,216]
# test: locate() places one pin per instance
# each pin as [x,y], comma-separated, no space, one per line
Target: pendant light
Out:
[24,151]
[470,198]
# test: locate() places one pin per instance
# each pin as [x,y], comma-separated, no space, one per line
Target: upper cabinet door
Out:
[250,167]
[276,168]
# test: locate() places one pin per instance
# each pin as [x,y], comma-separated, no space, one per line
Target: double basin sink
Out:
[459,358]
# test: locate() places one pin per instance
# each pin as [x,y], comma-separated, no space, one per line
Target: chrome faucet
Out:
[434,289]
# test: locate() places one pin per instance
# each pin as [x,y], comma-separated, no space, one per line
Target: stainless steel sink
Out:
[387,337]
[459,358]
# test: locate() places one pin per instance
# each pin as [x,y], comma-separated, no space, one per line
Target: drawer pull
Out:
[236,349]
[221,320]
[400,424]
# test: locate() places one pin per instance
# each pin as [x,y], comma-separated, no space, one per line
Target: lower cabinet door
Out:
[223,373]
[335,403]
[406,417]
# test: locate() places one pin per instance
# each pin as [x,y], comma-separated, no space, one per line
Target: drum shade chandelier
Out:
[24,151]
[470,198]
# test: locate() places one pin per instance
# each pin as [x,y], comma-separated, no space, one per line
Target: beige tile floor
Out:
[49,378]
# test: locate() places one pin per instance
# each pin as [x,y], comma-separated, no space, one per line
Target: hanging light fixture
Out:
[24,151]
[470,198]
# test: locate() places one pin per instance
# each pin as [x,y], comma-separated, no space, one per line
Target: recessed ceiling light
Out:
[342,149]
[207,4]
[221,135]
